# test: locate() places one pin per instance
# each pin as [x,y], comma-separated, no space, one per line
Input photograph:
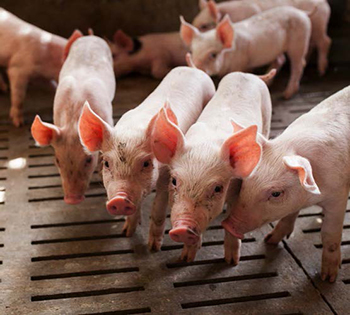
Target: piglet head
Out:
[199,178]
[124,49]
[168,142]
[280,185]
[74,163]
[209,49]
[208,17]
[129,169]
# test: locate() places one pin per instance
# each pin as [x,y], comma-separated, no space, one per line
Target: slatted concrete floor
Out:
[60,259]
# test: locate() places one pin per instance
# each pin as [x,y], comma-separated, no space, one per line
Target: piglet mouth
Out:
[229,226]
[185,231]
[121,204]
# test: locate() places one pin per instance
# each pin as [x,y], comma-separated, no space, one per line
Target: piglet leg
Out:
[18,82]
[232,248]
[323,46]
[332,228]
[131,223]
[320,39]
[232,244]
[158,214]
[189,251]
[296,54]
[283,228]
[297,68]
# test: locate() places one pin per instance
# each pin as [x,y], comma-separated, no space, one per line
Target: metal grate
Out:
[60,259]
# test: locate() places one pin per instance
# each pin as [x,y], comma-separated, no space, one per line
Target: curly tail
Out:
[268,76]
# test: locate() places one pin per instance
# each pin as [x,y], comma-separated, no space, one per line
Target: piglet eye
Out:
[218,189]
[276,194]
[213,55]
[106,164]
[88,160]
[146,164]
[173,181]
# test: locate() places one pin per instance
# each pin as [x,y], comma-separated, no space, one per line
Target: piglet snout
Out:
[183,233]
[73,199]
[121,205]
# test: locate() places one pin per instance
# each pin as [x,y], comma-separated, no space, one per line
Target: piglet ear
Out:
[166,137]
[92,129]
[225,32]
[43,133]
[202,4]
[76,34]
[304,169]
[242,151]
[187,31]
[236,126]
[123,40]
[213,9]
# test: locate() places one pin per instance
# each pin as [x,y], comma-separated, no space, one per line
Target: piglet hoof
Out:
[321,72]
[290,91]
[330,265]
[189,252]
[232,257]
[129,228]
[322,68]
[272,239]
[17,120]
[288,94]
[232,247]
[330,272]
[155,243]
[16,117]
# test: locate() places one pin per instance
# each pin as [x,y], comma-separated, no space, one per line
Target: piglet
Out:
[27,52]
[211,13]
[130,170]
[204,163]
[257,41]
[307,165]
[87,74]
[152,54]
